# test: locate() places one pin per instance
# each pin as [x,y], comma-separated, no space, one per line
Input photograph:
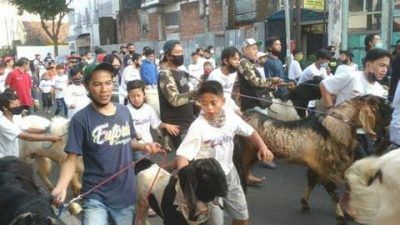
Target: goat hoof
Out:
[341,220]
[305,209]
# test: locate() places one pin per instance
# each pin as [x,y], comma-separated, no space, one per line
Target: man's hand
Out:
[264,154]
[59,195]
[153,148]
[54,138]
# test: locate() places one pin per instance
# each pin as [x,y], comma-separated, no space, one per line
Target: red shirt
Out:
[21,82]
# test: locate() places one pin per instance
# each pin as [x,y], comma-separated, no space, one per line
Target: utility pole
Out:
[298,25]
[287,29]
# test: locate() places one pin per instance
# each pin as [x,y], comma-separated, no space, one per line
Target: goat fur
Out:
[325,145]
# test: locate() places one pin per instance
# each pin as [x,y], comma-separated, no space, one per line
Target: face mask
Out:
[231,68]
[212,52]
[324,65]
[77,81]
[16,110]
[379,45]
[177,60]
[116,71]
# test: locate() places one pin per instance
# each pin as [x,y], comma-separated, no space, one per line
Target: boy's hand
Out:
[265,154]
[172,129]
[153,148]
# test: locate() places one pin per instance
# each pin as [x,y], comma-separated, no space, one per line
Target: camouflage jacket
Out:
[169,87]
[248,71]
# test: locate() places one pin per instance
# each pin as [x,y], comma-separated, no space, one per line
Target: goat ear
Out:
[367,119]
[377,176]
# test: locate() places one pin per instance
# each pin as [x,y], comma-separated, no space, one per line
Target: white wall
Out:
[30,51]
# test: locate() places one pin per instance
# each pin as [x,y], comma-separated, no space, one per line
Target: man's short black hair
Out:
[135,84]
[348,53]
[324,53]
[148,51]
[6,97]
[367,40]
[194,53]
[135,56]
[22,61]
[270,41]
[228,53]
[375,54]
[211,87]
[207,50]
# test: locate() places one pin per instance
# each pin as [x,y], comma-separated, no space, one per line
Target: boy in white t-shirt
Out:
[46,86]
[60,83]
[75,95]
[347,85]
[318,68]
[143,115]
[211,136]
[227,73]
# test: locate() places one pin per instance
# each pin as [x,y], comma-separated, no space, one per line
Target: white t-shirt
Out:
[130,73]
[344,67]
[395,123]
[227,82]
[312,71]
[295,70]
[46,86]
[348,85]
[8,137]
[60,83]
[195,71]
[3,82]
[206,141]
[143,118]
[75,95]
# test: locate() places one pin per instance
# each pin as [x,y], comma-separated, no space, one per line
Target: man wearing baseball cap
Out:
[104,135]
[251,83]
[176,105]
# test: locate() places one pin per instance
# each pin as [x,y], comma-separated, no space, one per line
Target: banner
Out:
[318,5]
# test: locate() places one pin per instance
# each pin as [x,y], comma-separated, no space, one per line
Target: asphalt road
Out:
[277,201]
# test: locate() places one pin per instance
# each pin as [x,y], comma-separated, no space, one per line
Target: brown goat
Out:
[325,145]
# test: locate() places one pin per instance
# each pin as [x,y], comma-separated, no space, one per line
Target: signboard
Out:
[318,5]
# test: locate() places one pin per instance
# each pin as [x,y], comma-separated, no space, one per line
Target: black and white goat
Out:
[183,199]
[22,201]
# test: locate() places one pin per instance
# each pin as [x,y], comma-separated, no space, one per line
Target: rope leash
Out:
[118,173]
[293,106]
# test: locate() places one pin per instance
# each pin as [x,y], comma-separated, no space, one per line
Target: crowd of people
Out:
[113,99]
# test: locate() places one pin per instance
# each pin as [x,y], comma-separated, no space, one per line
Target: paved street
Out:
[277,202]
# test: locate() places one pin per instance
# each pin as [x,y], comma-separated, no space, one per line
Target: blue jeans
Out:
[61,106]
[97,213]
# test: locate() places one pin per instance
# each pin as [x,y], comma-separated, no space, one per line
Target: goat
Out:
[45,152]
[22,201]
[283,109]
[183,199]
[325,145]
[373,190]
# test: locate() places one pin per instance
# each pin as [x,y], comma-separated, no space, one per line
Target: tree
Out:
[51,13]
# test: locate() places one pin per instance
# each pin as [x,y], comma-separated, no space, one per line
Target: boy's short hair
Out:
[228,53]
[375,54]
[6,97]
[211,87]
[324,53]
[135,84]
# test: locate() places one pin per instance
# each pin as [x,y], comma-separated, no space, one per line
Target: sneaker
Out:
[151,213]
[269,165]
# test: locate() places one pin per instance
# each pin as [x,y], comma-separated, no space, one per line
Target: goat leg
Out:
[331,188]
[312,181]
[44,170]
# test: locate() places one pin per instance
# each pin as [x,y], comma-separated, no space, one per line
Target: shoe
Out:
[151,213]
[269,165]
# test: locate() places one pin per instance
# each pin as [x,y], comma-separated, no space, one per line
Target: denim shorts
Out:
[97,213]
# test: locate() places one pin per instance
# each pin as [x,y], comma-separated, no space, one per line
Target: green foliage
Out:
[47,9]
[7,50]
